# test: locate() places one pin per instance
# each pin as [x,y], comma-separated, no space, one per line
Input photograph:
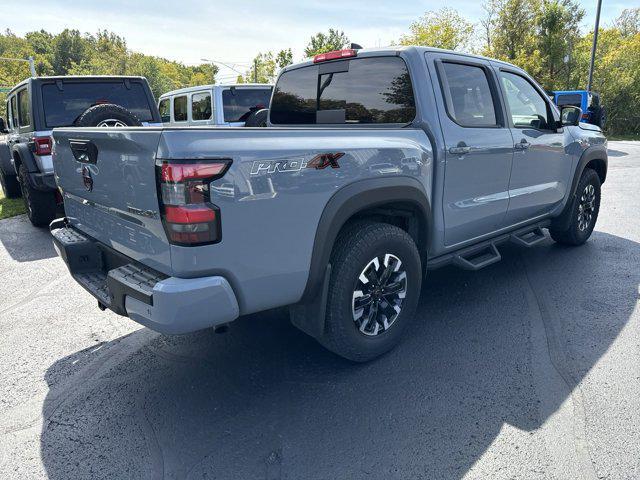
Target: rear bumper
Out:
[166,304]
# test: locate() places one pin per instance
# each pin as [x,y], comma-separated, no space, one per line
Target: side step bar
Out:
[486,253]
[477,258]
[528,238]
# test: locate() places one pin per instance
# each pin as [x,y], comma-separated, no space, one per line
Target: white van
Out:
[220,105]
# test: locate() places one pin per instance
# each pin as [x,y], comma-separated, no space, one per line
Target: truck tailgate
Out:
[108,181]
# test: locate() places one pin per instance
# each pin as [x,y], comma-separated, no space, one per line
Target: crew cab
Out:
[376,166]
[220,105]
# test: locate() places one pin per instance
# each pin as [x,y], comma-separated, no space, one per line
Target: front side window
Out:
[239,103]
[24,115]
[201,106]
[362,91]
[180,109]
[165,111]
[468,95]
[528,109]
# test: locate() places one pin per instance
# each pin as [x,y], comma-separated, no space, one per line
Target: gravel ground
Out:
[527,369]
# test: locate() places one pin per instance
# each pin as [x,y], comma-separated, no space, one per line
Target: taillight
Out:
[188,215]
[585,116]
[42,145]
[336,54]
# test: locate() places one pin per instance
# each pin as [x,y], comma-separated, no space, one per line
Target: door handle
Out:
[461,149]
[522,145]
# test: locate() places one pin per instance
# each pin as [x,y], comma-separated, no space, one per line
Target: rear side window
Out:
[65,102]
[165,111]
[14,112]
[24,114]
[239,103]
[201,106]
[180,108]
[369,90]
[468,95]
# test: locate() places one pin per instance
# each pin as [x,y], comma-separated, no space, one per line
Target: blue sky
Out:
[235,31]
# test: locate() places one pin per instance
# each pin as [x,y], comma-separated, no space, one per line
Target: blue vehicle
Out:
[589,102]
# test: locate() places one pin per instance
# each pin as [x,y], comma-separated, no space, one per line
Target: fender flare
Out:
[593,153]
[309,313]
[6,166]
[26,157]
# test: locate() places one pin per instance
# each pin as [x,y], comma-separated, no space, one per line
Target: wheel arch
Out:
[380,198]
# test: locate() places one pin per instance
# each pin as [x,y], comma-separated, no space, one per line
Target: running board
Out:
[528,238]
[478,257]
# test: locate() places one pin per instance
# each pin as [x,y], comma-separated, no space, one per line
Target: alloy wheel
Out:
[378,295]
[586,207]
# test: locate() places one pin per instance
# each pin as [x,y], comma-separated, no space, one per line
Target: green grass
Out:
[10,207]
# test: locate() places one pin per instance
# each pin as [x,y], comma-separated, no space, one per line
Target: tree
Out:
[267,65]
[628,23]
[444,28]
[512,27]
[322,43]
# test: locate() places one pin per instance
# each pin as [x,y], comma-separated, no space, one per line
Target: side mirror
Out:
[570,115]
[3,126]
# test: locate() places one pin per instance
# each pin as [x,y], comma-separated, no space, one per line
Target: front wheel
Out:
[373,291]
[583,211]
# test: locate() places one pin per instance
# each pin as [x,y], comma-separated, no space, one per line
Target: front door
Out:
[541,165]
[479,148]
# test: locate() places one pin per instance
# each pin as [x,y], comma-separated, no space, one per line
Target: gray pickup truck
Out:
[376,166]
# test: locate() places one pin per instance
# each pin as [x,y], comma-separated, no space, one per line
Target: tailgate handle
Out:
[84,151]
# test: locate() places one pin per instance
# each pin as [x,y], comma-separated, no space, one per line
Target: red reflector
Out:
[179,172]
[336,54]
[43,145]
[585,116]
[189,214]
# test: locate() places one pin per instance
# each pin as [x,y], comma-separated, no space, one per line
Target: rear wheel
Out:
[41,206]
[583,212]
[373,292]
[10,185]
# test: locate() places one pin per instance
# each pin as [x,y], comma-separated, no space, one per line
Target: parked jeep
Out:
[378,165]
[218,105]
[37,105]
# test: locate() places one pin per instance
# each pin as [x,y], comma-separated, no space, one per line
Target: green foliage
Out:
[105,53]
[267,65]
[10,207]
[322,43]
[444,28]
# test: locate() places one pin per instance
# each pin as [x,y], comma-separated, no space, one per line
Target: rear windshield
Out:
[573,99]
[63,106]
[238,103]
[369,90]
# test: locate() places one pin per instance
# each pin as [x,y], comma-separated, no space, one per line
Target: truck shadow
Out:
[265,401]
[24,242]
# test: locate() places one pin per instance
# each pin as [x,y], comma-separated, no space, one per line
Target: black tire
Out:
[40,205]
[583,212]
[257,118]
[107,115]
[355,249]
[10,185]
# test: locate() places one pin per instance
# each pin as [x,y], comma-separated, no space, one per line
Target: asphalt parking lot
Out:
[527,369]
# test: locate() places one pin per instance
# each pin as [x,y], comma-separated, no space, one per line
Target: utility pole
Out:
[593,47]
[255,70]
[32,66]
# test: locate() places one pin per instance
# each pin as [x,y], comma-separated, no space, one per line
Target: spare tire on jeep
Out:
[257,118]
[107,115]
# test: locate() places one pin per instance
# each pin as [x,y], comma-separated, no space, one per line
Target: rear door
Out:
[541,164]
[479,147]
